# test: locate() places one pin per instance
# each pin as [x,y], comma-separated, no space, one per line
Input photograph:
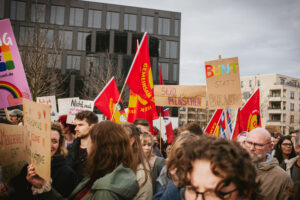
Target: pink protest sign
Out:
[13,83]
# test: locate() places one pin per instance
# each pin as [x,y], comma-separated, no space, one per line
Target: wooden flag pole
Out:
[118,101]
[6,114]
[160,131]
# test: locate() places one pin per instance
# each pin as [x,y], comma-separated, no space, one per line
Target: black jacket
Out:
[77,163]
[64,180]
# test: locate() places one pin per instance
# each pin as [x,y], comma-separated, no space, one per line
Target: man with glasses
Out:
[274,180]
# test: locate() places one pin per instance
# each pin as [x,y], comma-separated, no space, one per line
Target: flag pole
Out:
[160,131]
[137,52]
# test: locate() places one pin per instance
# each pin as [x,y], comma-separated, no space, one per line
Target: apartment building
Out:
[279,99]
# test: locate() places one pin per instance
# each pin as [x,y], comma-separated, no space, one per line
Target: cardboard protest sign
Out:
[64,105]
[180,96]
[13,155]
[223,83]
[76,106]
[49,100]
[38,126]
[13,83]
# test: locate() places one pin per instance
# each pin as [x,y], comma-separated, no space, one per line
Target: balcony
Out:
[274,110]
[274,98]
[276,122]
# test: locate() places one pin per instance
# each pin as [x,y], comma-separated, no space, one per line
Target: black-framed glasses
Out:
[287,144]
[256,145]
[208,194]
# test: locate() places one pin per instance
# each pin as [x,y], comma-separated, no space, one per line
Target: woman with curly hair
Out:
[110,164]
[217,169]
[284,151]
[143,172]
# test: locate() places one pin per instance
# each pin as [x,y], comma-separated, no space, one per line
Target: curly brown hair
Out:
[110,148]
[229,161]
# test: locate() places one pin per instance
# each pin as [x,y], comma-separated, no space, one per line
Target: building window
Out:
[250,83]
[130,22]
[147,24]
[120,44]
[94,18]
[102,41]
[17,10]
[242,84]
[292,107]
[165,70]
[73,62]
[65,39]
[292,95]
[38,13]
[57,15]
[175,72]
[258,83]
[54,60]
[171,49]
[46,37]
[26,35]
[292,119]
[82,41]
[163,26]
[76,17]
[92,66]
[112,20]
[282,81]
[176,27]
[2,8]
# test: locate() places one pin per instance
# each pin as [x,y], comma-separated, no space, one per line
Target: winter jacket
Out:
[289,166]
[274,180]
[64,180]
[146,191]
[77,164]
[120,184]
[158,164]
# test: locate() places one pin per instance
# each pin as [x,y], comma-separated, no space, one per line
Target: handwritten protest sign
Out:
[76,106]
[12,150]
[180,96]
[51,101]
[13,83]
[64,105]
[38,126]
[223,83]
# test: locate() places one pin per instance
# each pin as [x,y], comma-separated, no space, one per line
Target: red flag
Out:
[139,78]
[210,128]
[238,126]
[140,108]
[168,125]
[106,102]
[218,127]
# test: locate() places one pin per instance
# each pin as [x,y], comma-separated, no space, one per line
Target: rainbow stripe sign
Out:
[13,83]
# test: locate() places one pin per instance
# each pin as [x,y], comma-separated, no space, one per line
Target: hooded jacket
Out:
[274,180]
[120,184]
[289,166]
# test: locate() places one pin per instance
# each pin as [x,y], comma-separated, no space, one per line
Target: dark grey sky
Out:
[264,34]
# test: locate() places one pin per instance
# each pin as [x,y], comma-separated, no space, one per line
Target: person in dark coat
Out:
[64,179]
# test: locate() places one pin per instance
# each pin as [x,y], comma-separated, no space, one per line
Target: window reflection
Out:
[112,20]
[147,24]
[57,15]
[17,10]
[76,17]
[94,20]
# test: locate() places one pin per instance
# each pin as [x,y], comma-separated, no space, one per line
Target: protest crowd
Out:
[80,157]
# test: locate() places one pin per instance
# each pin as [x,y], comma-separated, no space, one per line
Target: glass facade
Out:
[82,41]
[26,35]
[73,62]
[54,60]
[57,15]
[112,20]
[94,20]
[171,49]
[46,37]
[175,72]
[76,17]
[92,65]
[165,70]
[176,27]
[65,39]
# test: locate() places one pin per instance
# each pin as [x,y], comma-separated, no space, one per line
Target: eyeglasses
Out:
[287,144]
[256,145]
[208,194]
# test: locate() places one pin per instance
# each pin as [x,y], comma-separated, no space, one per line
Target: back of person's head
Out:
[110,147]
[16,112]
[194,128]
[228,161]
[275,134]
[61,150]
[63,120]
[177,153]
[142,124]
[89,116]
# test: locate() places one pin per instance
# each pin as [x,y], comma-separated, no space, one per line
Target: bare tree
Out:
[40,56]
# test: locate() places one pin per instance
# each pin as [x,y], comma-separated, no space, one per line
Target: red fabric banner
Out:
[211,127]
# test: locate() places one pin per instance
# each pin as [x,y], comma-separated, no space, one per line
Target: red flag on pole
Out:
[248,117]
[139,77]
[106,102]
[211,126]
[168,125]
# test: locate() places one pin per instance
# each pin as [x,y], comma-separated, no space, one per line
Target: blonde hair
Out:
[144,139]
